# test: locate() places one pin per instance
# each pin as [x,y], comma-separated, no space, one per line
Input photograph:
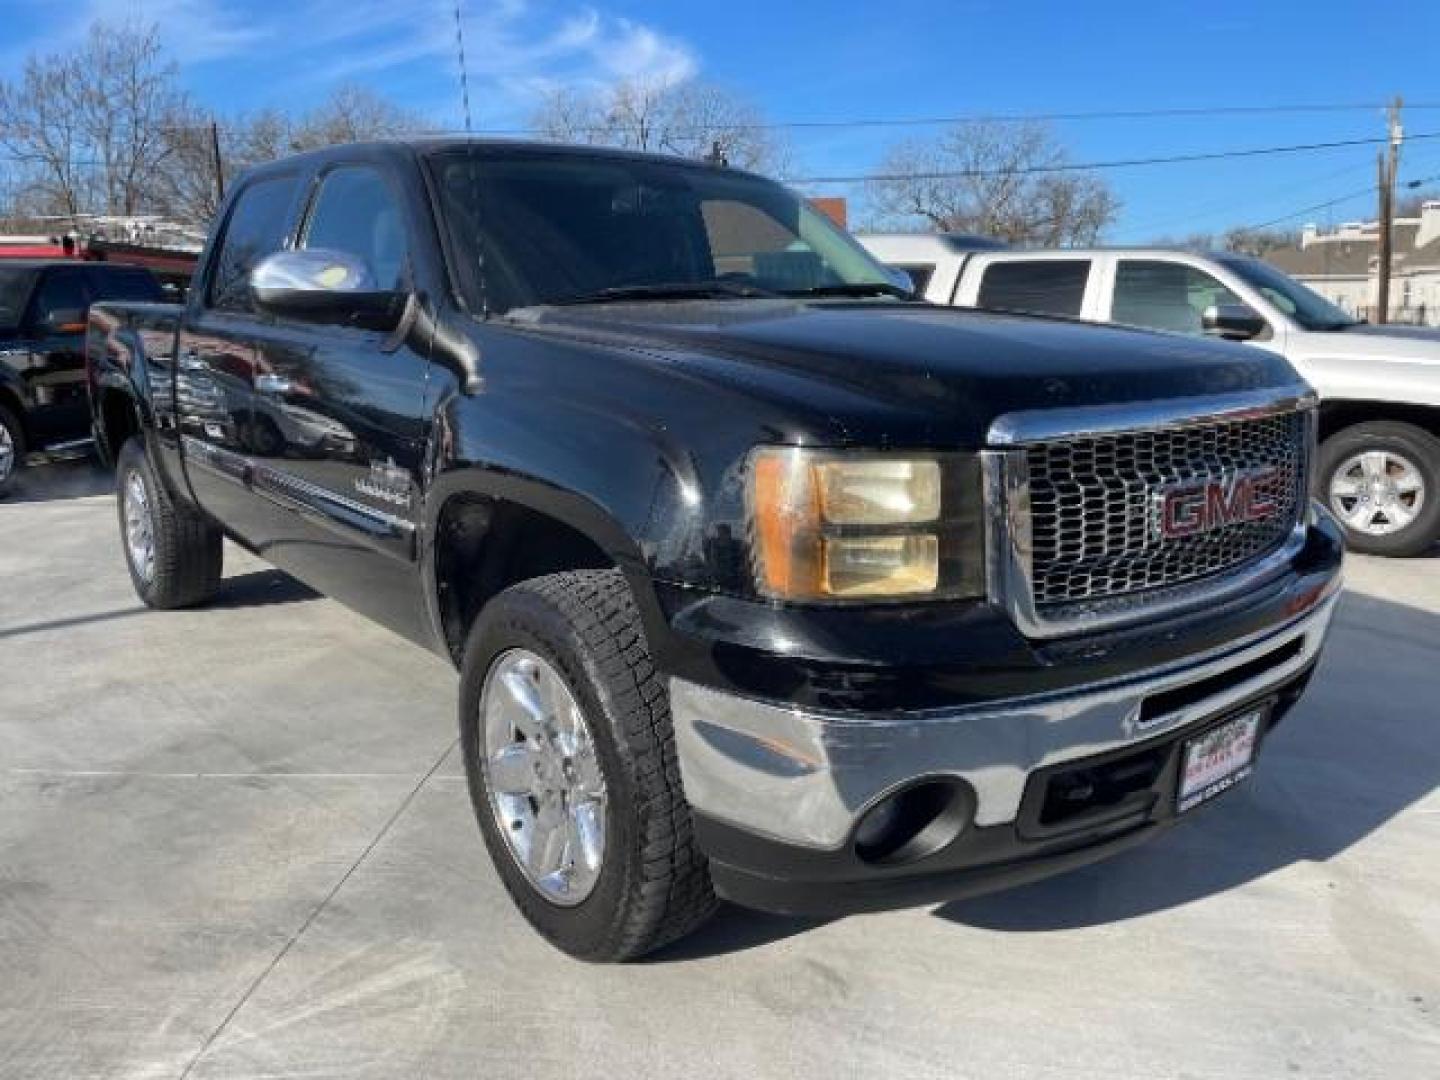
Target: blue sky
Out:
[808,60]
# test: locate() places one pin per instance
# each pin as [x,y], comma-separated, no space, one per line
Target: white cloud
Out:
[515,49]
[512,48]
[194,31]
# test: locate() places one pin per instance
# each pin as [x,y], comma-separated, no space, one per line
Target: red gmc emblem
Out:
[1203,506]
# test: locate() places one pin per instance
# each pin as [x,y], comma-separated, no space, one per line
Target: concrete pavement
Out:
[235,842]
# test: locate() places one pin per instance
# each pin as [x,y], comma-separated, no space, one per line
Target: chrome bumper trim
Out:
[805,778]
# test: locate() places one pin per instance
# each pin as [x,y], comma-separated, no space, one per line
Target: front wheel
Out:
[174,555]
[1382,480]
[565,727]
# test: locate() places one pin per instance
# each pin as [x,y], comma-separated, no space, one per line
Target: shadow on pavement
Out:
[261,588]
[733,930]
[61,480]
[1360,748]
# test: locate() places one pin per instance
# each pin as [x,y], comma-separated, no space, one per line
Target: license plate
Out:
[1219,759]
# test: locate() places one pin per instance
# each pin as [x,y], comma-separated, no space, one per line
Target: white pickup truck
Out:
[1379,462]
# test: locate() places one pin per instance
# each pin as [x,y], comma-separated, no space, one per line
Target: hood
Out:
[1366,340]
[880,371]
[1389,330]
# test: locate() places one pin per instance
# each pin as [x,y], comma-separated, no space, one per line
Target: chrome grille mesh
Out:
[1095,504]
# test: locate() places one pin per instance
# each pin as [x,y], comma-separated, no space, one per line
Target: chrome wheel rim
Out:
[542,775]
[1377,492]
[139,530]
[7,453]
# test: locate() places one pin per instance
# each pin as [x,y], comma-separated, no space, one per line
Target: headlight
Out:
[838,526]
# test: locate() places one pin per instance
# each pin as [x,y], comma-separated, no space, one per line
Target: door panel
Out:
[340,465]
[216,363]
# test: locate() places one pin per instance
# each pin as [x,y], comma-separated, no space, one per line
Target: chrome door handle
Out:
[272,384]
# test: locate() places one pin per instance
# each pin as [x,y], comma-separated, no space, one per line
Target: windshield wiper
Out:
[855,288]
[678,290]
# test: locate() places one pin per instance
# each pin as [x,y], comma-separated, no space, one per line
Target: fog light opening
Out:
[918,821]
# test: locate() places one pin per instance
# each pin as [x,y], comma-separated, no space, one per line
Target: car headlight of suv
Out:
[875,525]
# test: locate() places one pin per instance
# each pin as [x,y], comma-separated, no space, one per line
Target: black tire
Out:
[188,549]
[16,435]
[654,884]
[1416,446]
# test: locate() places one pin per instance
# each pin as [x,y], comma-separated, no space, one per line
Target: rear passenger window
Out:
[1047,287]
[356,212]
[258,226]
[62,290]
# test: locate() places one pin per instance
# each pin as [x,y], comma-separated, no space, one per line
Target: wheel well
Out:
[1337,415]
[483,546]
[120,421]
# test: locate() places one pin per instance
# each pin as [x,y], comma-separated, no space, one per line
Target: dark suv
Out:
[43,406]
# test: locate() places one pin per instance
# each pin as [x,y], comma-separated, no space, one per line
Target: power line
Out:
[1121,163]
[1013,118]
[1058,167]
[1368,190]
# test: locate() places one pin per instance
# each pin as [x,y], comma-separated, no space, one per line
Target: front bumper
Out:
[778,790]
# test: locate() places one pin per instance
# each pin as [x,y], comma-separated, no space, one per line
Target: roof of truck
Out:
[427,145]
[947,242]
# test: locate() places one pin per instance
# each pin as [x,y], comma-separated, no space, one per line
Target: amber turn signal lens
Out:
[800,502]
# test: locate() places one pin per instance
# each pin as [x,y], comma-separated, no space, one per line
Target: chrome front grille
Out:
[1097,505]
[1119,514]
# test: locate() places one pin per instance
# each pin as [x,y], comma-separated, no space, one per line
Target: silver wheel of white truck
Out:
[1380,480]
[565,727]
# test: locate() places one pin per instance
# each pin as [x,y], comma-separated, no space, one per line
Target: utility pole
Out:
[1389,162]
[219,164]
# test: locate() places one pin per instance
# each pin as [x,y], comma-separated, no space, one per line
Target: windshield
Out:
[15,286]
[1306,307]
[550,228]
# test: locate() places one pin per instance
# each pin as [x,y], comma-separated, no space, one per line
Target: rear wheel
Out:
[174,555]
[1382,480]
[565,727]
[12,449]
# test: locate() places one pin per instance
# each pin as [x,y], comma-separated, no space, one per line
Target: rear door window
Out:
[1041,286]
[62,289]
[1161,295]
[258,226]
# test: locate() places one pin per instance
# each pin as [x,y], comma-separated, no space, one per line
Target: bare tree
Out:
[186,188]
[1409,205]
[349,114]
[1260,242]
[1009,181]
[691,119]
[86,126]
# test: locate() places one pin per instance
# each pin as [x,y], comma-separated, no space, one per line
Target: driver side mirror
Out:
[900,278]
[332,288]
[1233,322]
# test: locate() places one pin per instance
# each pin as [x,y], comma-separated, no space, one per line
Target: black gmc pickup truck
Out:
[765,581]
[43,407]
